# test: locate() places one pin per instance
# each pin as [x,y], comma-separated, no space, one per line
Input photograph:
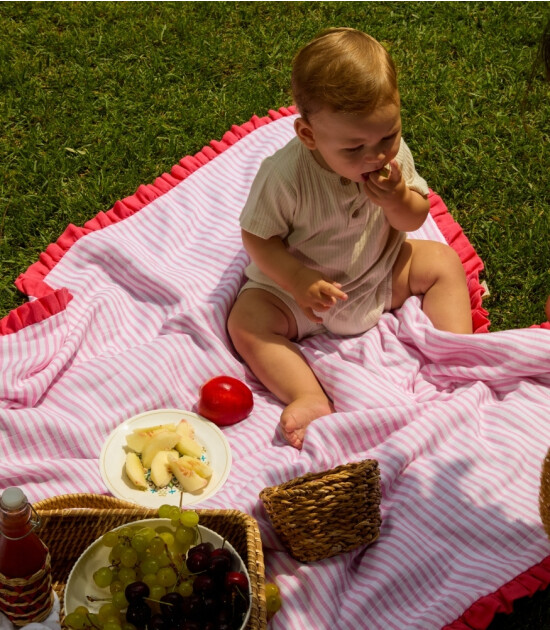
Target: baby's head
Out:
[343,70]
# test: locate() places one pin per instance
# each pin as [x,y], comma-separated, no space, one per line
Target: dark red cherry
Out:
[198,561]
[236,579]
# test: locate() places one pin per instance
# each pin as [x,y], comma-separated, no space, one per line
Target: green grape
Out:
[106,612]
[150,579]
[119,600]
[167,576]
[109,539]
[139,543]
[126,532]
[165,510]
[156,546]
[168,538]
[147,532]
[163,560]
[189,518]
[103,577]
[185,588]
[129,557]
[185,536]
[272,598]
[75,620]
[81,610]
[174,513]
[127,575]
[157,591]
[112,625]
[126,625]
[273,604]
[150,565]
[117,550]
[271,589]
[116,586]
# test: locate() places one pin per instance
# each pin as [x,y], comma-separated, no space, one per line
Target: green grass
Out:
[98,98]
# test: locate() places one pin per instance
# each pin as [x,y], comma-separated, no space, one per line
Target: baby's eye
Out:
[354,149]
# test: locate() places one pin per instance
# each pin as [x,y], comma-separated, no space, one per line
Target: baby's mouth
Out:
[383,170]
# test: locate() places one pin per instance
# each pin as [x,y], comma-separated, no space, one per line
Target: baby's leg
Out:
[261,326]
[433,270]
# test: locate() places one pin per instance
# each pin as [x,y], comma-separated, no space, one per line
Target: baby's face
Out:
[354,145]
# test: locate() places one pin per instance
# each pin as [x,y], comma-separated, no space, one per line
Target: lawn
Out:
[100,97]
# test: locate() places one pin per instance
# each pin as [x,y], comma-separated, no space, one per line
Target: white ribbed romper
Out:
[329,224]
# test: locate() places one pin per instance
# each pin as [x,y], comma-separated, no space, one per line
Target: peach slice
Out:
[162,441]
[190,481]
[135,471]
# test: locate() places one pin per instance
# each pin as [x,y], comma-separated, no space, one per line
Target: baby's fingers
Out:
[334,291]
[395,171]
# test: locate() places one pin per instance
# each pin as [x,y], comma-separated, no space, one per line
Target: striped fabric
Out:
[130,316]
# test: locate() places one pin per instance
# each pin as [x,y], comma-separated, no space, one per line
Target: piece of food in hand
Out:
[225,400]
[161,474]
[135,471]
[139,438]
[162,441]
[385,171]
[200,467]
[190,481]
[187,445]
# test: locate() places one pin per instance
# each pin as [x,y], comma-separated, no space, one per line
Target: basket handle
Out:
[89,501]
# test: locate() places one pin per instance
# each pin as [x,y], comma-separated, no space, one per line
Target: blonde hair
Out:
[345,70]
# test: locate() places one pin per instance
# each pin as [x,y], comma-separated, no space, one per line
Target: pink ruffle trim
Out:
[472,263]
[35,311]
[480,614]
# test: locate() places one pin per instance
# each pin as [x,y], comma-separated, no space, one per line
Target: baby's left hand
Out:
[386,190]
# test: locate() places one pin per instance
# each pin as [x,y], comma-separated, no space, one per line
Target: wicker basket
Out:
[322,514]
[544,495]
[69,523]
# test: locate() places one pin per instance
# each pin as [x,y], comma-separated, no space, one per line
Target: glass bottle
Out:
[26,593]
[22,553]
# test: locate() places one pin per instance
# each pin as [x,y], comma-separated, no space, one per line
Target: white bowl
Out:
[80,583]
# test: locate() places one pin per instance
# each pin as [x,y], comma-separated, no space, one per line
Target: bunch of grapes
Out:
[166,579]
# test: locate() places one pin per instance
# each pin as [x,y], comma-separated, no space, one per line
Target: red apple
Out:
[225,400]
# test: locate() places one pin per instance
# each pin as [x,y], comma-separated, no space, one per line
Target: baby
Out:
[325,226]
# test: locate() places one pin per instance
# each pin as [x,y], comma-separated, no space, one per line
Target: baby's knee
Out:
[448,262]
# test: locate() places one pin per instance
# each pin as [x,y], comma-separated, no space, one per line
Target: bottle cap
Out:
[13,498]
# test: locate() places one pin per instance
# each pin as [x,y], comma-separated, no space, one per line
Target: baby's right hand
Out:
[313,292]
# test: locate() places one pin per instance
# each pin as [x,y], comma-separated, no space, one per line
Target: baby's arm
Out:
[404,208]
[311,290]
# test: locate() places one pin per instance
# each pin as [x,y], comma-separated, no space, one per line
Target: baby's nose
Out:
[376,157]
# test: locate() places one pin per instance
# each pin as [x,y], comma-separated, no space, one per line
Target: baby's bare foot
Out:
[301,412]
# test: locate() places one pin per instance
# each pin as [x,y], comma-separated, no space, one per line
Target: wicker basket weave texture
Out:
[322,514]
[27,600]
[70,523]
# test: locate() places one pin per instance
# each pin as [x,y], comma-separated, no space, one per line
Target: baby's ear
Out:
[305,133]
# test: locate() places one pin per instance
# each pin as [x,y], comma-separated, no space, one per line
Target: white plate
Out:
[80,583]
[113,456]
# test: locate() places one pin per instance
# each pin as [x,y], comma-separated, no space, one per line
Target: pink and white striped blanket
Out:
[129,315]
